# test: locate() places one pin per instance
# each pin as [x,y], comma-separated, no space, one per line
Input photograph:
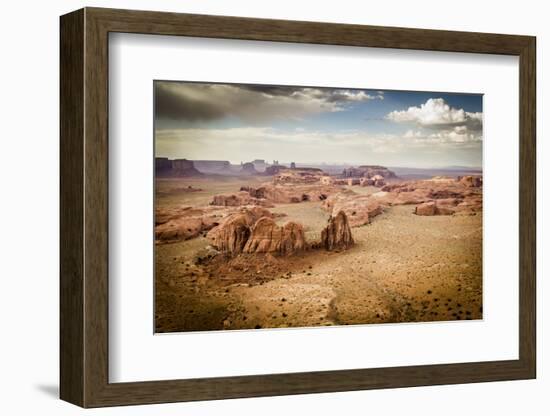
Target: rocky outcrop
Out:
[366,182]
[439,207]
[248,168]
[359,209]
[471,181]
[437,196]
[337,234]
[285,194]
[427,208]
[255,231]
[368,171]
[447,206]
[274,170]
[165,167]
[172,225]
[232,234]
[213,166]
[239,199]
[298,176]
[179,224]
[449,195]
[378,180]
[268,237]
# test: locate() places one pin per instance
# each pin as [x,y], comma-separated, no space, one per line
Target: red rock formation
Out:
[470,205]
[172,225]
[378,180]
[285,194]
[233,235]
[366,182]
[224,238]
[298,176]
[369,171]
[446,206]
[448,195]
[470,181]
[337,234]
[359,209]
[239,199]
[268,237]
[427,208]
[438,207]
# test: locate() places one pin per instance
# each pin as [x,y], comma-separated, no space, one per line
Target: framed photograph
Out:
[255,207]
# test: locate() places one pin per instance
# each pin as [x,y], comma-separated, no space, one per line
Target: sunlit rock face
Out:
[337,234]
[268,237]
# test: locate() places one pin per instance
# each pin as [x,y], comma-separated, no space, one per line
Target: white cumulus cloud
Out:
[436,113]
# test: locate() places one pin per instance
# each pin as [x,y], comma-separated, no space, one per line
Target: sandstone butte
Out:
[232,234]
[238,235]
[268,237]
[436,196]
[337,234]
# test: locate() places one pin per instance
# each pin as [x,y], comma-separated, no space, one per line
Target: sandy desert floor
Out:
[402,268]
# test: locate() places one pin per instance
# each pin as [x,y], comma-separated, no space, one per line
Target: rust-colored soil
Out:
[402,268]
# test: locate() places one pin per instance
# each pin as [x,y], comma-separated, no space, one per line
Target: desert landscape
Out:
[295,247]
[367,210]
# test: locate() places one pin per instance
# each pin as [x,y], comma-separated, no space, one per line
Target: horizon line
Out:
[449,167]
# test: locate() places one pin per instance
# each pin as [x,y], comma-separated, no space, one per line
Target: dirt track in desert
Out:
[402,268]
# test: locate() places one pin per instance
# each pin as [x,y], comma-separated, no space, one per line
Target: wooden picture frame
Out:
[84,207]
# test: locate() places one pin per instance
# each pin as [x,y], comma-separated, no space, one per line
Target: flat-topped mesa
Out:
[298,176]
[337,234]
[239,199]
[268,237]
[359,209]
[281,194]
[368,171]
[213,166]
[184,168]
[248,168]
[274,170]
[165,167]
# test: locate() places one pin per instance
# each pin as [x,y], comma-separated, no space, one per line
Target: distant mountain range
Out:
[421,173]
[184,167]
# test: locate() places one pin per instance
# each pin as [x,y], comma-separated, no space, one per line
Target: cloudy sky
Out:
[238,122]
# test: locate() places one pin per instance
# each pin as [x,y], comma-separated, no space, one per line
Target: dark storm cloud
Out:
[192,102]
[171,102]
[274,90]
